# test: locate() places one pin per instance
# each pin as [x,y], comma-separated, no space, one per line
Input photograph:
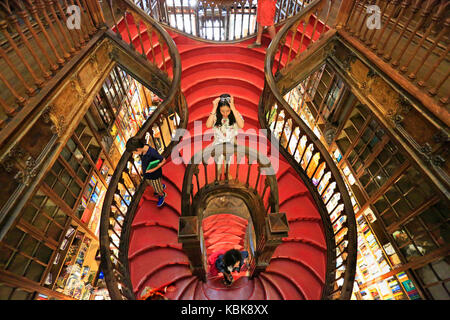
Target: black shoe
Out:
[254,45]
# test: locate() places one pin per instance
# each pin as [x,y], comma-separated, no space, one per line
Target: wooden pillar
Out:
[276,228]
[189,235]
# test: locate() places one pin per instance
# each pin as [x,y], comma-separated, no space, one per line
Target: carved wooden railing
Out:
[127,184]
[253,180]
[411,38]
[310,158]
[219,20]
[37,39]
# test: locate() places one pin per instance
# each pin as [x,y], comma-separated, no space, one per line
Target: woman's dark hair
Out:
[134,143]
[231,257]
[224,101]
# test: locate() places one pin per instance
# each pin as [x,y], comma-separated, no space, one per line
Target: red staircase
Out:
[297,268]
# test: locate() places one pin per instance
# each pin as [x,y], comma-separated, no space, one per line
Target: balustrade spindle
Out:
[175,14]
[150,38]
[161,44]
[89,17]
[182,14]
[74,34]
[5,107]
[116,26]
[59,25]
[435,90]
[357,16]
[38,81]
[14,21]
[303,23]
[242,18]
[434,20]
[358,33]
[20,100]
[138,25]
[423,16]
[190,17]
[130,38]
[293,33]
[315,27]
[43,10]
[393,28]
[325,23]
[442,33]
[414,10]
[375,45]
[250,3]
[298,143]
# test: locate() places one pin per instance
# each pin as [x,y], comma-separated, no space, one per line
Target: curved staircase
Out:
[298,266]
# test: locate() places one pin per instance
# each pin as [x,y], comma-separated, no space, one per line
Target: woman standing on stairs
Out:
[265,18]
[225,121]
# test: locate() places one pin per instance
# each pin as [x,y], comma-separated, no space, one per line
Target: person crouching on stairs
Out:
[226,262]
[154,174]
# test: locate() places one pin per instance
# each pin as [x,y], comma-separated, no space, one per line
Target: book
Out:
[152,165]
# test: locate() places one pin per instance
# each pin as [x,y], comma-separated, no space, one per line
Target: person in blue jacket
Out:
[153,175]
[230,261]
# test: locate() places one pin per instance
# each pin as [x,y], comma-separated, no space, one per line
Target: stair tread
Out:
[288,289]
[306,281]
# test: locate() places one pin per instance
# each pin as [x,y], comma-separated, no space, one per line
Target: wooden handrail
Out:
[121,202]
[321,184]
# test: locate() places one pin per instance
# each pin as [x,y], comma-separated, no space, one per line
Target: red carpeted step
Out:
[258,290]
[270,290]
[147,213]
[219,218]
[288,289]
[198,292]
[174,173]
[286,182]
[312,257]
[293,210]
[144,237]
[179,287]
[143,265]
[309,230]
[211,71]
[241,289]
[189,291]
[215,88]
[307,282]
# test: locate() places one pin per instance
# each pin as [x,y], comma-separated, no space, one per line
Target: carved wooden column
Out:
[276,228]
[189,235]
